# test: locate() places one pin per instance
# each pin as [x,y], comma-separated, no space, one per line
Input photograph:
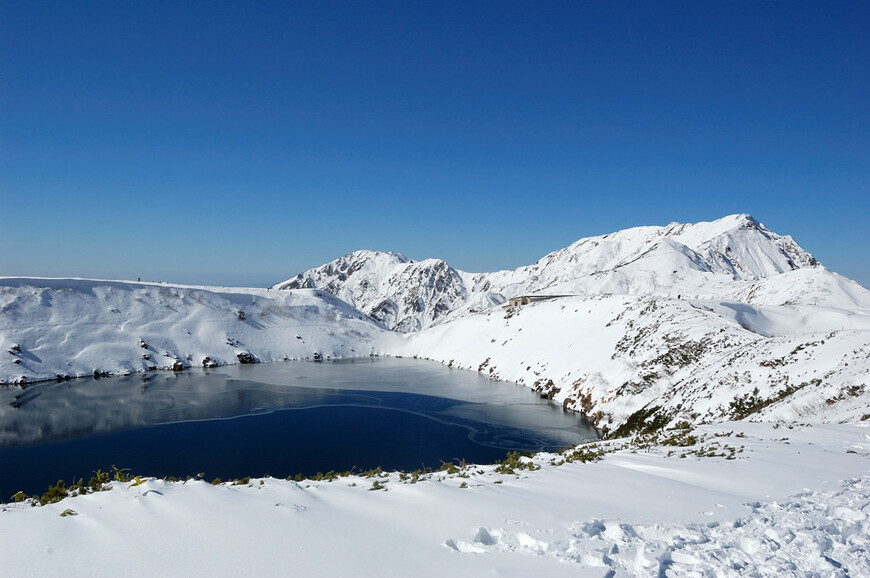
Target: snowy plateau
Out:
[727,366]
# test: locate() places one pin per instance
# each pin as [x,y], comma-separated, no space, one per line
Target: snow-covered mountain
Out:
[699,322]
[734,258]
[702,322]
[702,260]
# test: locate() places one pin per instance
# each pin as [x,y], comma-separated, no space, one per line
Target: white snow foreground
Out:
[785,500]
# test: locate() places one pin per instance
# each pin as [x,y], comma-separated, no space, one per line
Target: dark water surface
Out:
[271,418]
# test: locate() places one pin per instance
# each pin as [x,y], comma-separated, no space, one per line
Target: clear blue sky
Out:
[240,143]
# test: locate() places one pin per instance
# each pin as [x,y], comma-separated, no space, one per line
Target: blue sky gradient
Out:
[223,143]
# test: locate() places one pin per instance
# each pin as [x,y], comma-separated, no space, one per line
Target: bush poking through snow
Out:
[585,453]
[747,404]
[55,493]
[644,420]
[121,474]
[515,461]
[99,479]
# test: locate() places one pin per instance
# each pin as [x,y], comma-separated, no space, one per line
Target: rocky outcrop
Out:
[401,294]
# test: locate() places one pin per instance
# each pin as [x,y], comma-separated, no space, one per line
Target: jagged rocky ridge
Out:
[402,294]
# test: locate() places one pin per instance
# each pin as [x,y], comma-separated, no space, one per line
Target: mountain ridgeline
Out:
[731,258]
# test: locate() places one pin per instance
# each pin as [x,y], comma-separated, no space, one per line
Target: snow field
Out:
[72,327]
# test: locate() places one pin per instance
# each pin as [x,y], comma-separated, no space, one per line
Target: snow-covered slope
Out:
[74,327]
[618,356]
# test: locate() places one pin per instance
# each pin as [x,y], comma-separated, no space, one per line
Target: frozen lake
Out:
[272,418]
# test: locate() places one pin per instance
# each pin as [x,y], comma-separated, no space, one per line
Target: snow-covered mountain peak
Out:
[718,227]
[702,260]
[743,247]
[737,244]
[361,265]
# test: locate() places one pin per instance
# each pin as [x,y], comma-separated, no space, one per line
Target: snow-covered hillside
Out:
[57,328]
[622,358]
[701,323]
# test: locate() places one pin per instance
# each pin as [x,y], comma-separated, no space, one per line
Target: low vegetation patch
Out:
[60,490]
[750,403]
[685,441]
[679,441]
[584,454]
[643,421]
[514,461]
